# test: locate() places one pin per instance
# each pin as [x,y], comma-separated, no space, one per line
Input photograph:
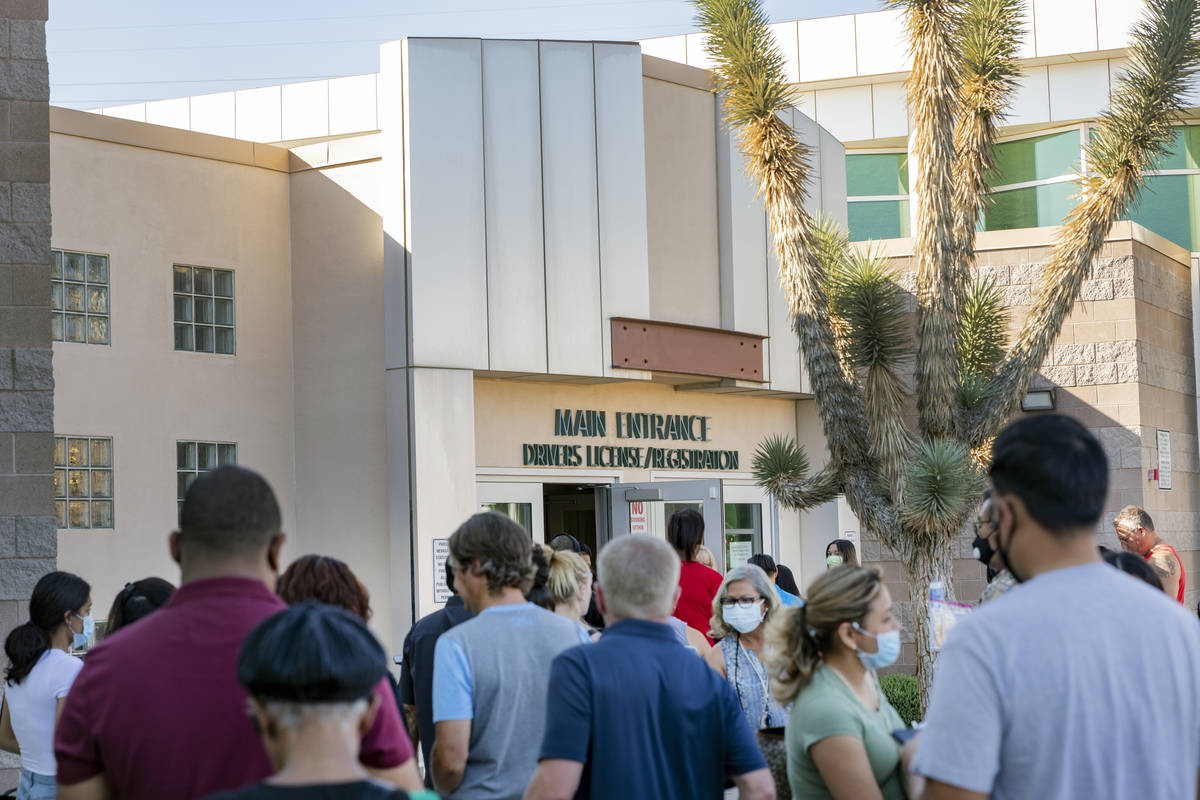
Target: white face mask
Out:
[743,620]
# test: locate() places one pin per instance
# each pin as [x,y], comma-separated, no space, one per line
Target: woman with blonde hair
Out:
[570,586]
[822,659]
[704,556]
[744,605]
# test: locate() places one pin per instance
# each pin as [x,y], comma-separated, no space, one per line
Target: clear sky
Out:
[109,52]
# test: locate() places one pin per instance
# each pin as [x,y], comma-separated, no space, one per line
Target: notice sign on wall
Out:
[441,554]
[638,517]
[1164,459]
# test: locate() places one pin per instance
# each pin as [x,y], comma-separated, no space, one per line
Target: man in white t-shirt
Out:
[1044,694]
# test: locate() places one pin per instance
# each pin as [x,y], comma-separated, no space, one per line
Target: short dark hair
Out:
[138,599]
[326,580]
[1134,565]
[311,653]
[1057,469]
[763,562]
[502,548]
[685,532]
[584,550]
[230,511]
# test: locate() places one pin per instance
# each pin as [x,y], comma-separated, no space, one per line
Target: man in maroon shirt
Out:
[157,711]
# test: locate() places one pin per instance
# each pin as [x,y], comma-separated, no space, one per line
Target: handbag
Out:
[774,750]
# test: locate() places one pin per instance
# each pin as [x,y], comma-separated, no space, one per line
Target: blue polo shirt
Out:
[646,717]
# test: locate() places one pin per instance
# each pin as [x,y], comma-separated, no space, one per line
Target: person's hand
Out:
[908,751]
[914,784]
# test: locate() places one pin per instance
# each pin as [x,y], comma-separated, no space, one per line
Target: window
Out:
[79,297]
[877,195]
[1040,158]
[1169,204]
[83,481]
[204,310]
[193,458]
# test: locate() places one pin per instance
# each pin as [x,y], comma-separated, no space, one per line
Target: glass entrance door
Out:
[520,501]
[646,507]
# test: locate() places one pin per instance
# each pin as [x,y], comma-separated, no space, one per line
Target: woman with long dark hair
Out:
[39,674]
[137,600]
[698,584]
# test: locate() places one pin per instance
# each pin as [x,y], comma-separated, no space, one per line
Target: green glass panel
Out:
[183,279]
[206,457]
[97,330]
[204,310]
[876,174]
[1036,159]
[73,266]
[56,263]
[1183,151]
[183,481]
[742,516]
[203,281]
[225,343]
[224,312]
[1169,205]
[56,327]
[183,337]
[520,513]
[223,282]
[101,452]
[204,339]
[102,514]
[185,455]
[183,308]
[1031,207]
[97,269]
[878,219]
[227,454]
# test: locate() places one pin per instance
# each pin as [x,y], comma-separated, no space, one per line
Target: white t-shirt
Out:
[32,705]
[1081,683]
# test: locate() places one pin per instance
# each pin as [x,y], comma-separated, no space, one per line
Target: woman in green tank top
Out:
[839,733]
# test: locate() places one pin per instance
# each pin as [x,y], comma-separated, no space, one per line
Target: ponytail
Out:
[799,638]
[55,595]
[24,646]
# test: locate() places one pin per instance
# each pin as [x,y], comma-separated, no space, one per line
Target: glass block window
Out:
[193,458]
[83,481]
[79,298]
[204,310]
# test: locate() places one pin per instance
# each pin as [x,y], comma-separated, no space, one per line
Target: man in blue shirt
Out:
[416,673]
[768,565]
[636,715]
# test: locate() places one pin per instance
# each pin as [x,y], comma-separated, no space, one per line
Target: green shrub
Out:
[904,694]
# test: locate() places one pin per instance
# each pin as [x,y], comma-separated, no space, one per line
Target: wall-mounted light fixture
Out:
[1039,400]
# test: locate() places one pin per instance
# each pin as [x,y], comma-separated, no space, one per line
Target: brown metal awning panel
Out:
[688,349]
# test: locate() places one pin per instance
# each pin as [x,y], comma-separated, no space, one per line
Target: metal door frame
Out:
[708,493]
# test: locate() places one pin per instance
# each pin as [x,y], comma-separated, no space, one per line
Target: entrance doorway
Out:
[570,508]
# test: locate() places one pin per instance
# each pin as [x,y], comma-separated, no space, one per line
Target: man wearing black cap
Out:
[310,672]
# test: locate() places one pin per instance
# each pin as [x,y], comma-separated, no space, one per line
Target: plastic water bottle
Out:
[937,590]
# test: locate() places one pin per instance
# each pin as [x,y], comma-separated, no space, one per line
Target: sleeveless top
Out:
[749,679]
[1182,574]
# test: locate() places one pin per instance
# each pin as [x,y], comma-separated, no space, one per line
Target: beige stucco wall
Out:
[341,446]
[681,203]
[148,209]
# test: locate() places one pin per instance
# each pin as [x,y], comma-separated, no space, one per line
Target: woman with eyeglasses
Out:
[823,659]
[741,609]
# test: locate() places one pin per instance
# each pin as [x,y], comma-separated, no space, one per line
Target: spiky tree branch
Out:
[1164,52]
[932,101]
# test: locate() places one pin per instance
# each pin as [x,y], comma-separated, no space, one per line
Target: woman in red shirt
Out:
[698,584]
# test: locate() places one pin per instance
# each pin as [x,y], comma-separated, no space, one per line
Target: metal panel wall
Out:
[447,272]
[574,322]
[783,350]
[621,186]
[513,190]
[395,259]
[743,244]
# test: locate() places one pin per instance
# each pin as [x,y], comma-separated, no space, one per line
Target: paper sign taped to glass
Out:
[943,616]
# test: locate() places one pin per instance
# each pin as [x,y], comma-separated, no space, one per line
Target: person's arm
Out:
[8,738]
[451,743]
[715,658]
[407,691]
[842,762]
[410,721]
[696,639]
[94,788]
[555,779]
[404,777]
[1166,566]
[936,790]
[756,785]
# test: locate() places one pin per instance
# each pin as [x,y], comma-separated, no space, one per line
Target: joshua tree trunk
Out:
[916,489]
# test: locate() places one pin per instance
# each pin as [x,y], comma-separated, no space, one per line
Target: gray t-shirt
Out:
[1082,682]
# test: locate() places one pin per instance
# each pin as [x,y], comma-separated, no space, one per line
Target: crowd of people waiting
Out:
[1072,680]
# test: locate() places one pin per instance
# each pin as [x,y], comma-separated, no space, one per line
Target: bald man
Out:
[1135,530]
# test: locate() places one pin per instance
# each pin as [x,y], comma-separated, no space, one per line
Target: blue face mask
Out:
[886,654]
[89,629]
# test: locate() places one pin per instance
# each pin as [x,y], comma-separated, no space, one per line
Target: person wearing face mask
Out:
[822,659]
[1032,696]
[841,552]
[984,550]
[743,606]
[40,672]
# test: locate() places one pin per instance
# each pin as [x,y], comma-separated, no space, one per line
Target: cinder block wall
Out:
[1123,365]
[28,539]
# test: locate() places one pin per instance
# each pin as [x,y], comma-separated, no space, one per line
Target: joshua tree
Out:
[913,485]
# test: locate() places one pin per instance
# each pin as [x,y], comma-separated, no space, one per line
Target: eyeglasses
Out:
[743,602]
[980,524]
